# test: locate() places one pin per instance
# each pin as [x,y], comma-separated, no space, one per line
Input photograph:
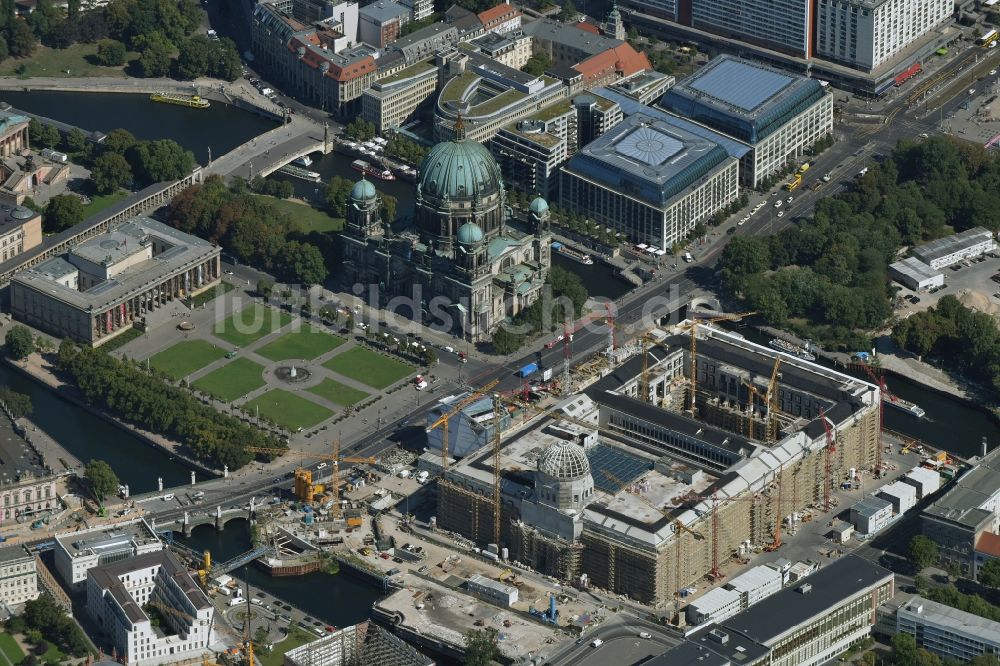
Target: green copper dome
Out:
[539,205]
[470,233]
[363,190]
[459,170]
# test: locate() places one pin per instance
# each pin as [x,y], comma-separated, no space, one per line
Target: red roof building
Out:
[502,18]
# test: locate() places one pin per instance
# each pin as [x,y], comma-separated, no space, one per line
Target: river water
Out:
[340,600]
[219,127]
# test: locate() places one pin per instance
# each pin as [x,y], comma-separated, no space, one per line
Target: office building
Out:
[915,274]
[584,60]
[380,22]
[502,18]
[777,114]
[645,87]
[488,95]
[461,256]
[312,64]
[492,590]
[531,151]
[714,606]
[423,44]
[20,230]
[512,49]
[104,285]
[597,499]
[29,486]
[394,100]
[419,9]
[957,519]
[340,16]
[149,610]
[595,115]
[944,252]
[782,25]
[76,553]
[864,34]
[871,514]
[649,180]
[808,624]
[466,22]
[946,631]
[18,576]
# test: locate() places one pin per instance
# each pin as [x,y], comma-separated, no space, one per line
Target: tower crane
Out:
[498,409]
[884,393]
[445,418]
[772,406]
[693,326]
[831,448]
[304,487]
[754,395]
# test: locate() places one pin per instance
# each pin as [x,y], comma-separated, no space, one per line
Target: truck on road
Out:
[529,369]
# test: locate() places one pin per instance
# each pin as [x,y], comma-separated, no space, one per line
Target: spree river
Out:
[219,128]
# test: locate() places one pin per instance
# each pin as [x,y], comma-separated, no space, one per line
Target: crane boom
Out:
[693,325]
[445,418]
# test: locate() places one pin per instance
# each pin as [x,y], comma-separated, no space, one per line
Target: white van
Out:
[597,642]
[423,476]
[404,474]
[237,601]
[688,258]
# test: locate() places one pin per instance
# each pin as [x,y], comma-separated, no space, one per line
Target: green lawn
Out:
[250,325]
[10,648]
[368,367]
[312,219]
[338,393]
[99,202]
[54,62]
[276,657]
[232,380]
[185,357]
[211,294]
[288,410]
[53,656]
[306,343]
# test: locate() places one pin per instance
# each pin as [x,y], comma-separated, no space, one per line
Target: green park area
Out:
[311,219]
[99,202]
[10,649]
[306,343]
[276,657]
[339,393]
[368,367]
[75,60]
[251,324]
[232,380]
[182,359]
[287,409]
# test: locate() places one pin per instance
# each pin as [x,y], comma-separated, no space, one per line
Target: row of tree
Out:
[968,340]
[250,228]
[831,270]
[406,150]
[148,399]
[562,301]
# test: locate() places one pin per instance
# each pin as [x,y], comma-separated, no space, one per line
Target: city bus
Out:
[794,182]
[988,38]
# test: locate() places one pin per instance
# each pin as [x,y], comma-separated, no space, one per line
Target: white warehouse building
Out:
[871,514]
[902,496]
[756,584]
[78,552]
[714,606]
[949,250]
[926,481]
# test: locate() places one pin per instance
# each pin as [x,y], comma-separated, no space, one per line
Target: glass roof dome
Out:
[565,461]
[363,190]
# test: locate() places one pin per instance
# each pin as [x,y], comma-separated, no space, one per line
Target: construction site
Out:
[686,454]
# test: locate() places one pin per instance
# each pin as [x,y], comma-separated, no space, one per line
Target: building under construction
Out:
[651,481]
[358,645]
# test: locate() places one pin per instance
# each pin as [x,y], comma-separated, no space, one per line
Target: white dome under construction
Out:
[564,461]
[564,480]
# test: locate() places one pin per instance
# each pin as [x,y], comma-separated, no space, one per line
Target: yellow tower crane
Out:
[693,326]
[445,418]
[304,487]
[754,395]
[498,410]
[772,405]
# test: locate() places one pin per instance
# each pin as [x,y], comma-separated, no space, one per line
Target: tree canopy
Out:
[109,172]
[19,342]
[62,212]
[481,647]
[251,228]
[102,479]
[19,404]
[922,551]
[831,270]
